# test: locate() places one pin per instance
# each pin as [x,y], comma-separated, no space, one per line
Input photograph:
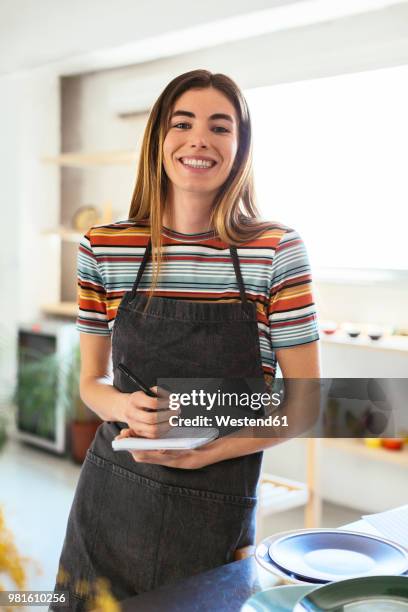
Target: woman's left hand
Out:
[183,459]
[192,459]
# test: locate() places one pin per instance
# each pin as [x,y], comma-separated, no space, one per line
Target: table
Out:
[224,588]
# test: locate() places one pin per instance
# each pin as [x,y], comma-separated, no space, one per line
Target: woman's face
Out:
[201,142]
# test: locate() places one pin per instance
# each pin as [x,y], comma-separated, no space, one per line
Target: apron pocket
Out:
[201,532]
[130,527]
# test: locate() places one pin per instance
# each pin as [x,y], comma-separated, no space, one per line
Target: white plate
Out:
[269,573]
[335,554]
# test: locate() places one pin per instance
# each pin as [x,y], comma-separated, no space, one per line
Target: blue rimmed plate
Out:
[270,575]
[327,555]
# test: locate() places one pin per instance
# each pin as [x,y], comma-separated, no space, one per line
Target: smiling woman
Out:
[225,294]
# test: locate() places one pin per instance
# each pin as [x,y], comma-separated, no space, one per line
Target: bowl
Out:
[374,332]
[351,329]
[328,327]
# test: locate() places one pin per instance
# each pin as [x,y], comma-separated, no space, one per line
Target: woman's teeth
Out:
[197,163]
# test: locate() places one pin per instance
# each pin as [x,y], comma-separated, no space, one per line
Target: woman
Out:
[231,295]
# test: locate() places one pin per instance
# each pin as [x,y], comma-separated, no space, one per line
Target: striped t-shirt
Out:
[274,266]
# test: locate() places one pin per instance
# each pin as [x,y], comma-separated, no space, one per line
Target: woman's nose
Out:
[198,139]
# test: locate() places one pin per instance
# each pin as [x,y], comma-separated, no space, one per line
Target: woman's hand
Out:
[147,416]
[183,459]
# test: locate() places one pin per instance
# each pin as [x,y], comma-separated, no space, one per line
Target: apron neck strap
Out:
[142,266]
[238,275]
[235,261]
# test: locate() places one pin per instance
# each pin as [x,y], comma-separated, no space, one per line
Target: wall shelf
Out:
[97,158]
[387,342]
[357,447]
[61,309]
[66,234]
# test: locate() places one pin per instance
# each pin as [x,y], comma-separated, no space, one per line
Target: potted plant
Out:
[83,422]
[36,390]
[37,386]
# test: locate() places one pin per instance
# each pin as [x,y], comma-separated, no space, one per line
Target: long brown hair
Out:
[234,214]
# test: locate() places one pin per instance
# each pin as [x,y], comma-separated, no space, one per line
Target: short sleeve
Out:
[92,313]
[291,309]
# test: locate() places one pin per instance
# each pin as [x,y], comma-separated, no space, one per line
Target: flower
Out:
[11,563]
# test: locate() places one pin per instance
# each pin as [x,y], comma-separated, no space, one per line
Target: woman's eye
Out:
[181,124]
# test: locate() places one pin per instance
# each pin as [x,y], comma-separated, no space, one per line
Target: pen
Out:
[136,380]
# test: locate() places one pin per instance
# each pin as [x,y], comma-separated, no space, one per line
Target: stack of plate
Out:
[319,556]
[372,594]
[331,568]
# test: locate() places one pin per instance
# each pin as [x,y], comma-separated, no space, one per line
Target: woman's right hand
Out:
[147,416]
[97,392]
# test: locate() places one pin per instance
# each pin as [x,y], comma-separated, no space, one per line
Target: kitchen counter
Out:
[224,588]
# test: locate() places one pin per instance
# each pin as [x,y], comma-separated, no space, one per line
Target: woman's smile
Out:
[200,164]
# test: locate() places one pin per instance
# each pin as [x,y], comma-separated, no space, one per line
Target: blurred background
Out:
[327,85]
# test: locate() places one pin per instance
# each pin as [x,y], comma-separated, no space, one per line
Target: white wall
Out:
[29,203]
[10,163]
[39,191]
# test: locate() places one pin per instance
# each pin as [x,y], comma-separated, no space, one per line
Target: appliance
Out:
[45,351]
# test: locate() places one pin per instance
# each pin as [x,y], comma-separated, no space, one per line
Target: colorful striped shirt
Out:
[275,269]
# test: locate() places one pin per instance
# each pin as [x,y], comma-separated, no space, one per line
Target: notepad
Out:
[181,438]
[392,524]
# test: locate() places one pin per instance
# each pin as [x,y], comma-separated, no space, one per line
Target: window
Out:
[330,160]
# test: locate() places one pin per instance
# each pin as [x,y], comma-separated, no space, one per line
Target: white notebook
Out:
[182,438]
[392,524]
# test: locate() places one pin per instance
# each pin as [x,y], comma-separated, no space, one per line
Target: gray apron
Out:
[143,525]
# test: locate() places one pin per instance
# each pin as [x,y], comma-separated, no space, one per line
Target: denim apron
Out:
[144,525]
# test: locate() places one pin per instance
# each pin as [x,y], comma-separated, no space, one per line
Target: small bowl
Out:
[351,329]
[329,327]
[374,332]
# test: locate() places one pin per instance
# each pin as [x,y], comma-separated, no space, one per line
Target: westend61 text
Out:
[228,421]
